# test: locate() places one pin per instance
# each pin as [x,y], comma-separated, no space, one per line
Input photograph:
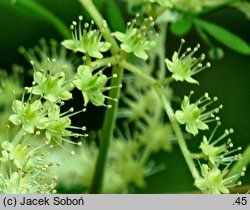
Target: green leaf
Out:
[225,37]
[115,17]
[181,27]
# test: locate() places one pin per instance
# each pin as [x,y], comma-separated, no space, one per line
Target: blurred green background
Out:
[229,78]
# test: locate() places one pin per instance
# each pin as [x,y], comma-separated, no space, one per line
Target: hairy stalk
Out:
[110,114]
[38,9]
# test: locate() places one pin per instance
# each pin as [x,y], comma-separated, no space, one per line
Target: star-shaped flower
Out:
[57,125]
[91,85]
[86,41]
[212,180]
[136,40]
[29,115]
[184,66]
[190,116]
[52,87]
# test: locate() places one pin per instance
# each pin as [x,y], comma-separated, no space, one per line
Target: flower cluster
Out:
[219,154]
[36,117]
[50,56]
[184,66]
[138,37]
[124,168]
[86,40]
[10,88]
[144,111]
[195,116]
[27,168]
[215,180]
[218,157]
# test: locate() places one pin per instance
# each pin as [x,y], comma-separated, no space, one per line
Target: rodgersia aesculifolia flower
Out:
[86,40]
[184,66]
[92,85]
[216,152]
[138,38]
[29,115]
[28,167]
[53,87]
[195,116]
[214,180]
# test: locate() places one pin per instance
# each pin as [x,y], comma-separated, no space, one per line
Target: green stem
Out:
[110,114]
[240,164]
[179,135]
[106,133]
[35,7]
[134,69]
[161,45]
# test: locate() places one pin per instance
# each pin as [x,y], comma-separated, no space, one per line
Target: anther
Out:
[86,25]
